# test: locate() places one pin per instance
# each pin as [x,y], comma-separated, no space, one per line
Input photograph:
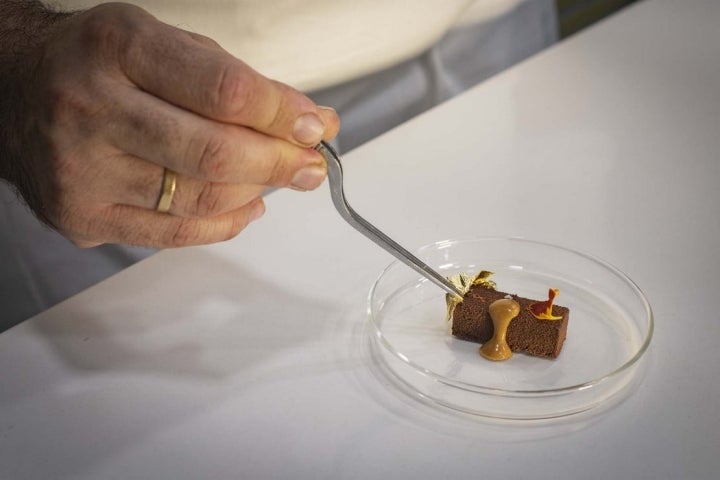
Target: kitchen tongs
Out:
[335,177]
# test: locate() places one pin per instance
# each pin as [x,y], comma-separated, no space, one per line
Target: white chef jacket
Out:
[313,44]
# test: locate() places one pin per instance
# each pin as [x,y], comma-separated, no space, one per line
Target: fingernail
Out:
[308,178]
[308,129]
[257,211]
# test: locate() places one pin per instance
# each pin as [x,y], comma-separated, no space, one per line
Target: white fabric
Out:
[375,103]
[312,44]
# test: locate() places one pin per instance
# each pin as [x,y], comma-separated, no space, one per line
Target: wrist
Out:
[25,27]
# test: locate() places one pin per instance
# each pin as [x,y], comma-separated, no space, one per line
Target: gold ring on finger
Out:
[167,192]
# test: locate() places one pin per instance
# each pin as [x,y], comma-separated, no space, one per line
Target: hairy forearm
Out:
[25,26]
[20,17]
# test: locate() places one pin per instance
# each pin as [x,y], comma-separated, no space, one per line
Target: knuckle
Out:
[213,163]
[65,103]
[77,227]
[102,30]
[64,220]
[116,31]
[208,202]
[185,232]
[233,90]
[279,171]
[278,174]
[69,107]
[278,116]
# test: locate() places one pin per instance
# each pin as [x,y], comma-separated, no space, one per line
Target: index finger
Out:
[193,72]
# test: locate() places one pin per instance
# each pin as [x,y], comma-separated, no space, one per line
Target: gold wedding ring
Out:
[168,191]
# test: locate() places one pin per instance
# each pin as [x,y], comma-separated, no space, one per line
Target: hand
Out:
[117,96]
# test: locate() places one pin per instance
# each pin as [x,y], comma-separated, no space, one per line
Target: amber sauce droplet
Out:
[502,312]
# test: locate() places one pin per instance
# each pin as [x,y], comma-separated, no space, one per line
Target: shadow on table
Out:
[195,317]
[187,337]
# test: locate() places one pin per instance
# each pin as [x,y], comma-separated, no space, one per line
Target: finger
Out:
[136,226]
[146,127]
[201,77]
[332,122]
[192,197]
[195,198]
[86,244]
[139,183]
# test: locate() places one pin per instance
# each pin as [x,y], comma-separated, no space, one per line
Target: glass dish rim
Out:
[385,343]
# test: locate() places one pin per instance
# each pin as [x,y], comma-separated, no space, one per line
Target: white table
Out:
[249,359]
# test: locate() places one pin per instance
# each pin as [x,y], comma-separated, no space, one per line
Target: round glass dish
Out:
[609,329]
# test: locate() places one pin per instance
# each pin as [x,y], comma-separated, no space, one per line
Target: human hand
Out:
[117,96]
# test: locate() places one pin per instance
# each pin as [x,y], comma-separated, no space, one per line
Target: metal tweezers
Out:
[335,176]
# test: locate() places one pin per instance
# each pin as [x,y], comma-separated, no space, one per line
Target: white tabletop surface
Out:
[249,359]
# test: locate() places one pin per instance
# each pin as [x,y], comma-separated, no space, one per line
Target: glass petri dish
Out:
[609,330]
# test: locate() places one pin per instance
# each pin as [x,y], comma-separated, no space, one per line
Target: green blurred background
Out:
[574,15]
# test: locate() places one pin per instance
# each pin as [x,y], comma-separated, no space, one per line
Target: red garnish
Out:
[543,310]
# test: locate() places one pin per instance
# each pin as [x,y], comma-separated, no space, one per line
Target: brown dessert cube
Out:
[526,333]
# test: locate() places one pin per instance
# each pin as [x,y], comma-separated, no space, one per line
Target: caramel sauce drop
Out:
[502,312]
